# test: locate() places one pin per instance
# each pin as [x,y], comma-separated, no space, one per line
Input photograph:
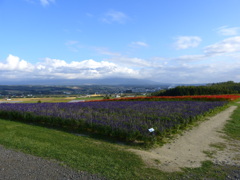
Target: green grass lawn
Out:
[232,128]
[55,99]
[98,156]
[80,152]
[90,98]
[44,99]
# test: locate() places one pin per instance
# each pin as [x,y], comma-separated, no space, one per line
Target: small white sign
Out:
[151,130]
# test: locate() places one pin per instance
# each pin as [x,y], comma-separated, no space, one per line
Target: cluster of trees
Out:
[229,87]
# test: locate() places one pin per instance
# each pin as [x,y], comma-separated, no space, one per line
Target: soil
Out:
[203,142]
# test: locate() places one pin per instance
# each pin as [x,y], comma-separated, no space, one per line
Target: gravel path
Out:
[187,150]
[19,166]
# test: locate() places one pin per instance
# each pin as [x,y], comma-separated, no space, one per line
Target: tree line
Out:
[228,87]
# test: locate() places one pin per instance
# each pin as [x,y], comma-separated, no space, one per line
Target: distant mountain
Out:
[106,81]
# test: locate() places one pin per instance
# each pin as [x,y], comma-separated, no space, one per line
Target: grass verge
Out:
[232,128]
[91,155]
[79,152]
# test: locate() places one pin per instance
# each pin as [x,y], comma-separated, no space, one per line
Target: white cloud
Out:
[130,62]
[46,2]
[183,69]
[13,63]
[85,69]
[196,73]
[60,69]
[235,56]
[120,59]
[139,44]
[105,51]
[115,16]
[185,42]
[89,15]
[71,42]
[73,45]
[190,58]
[229,45]
[227,31]
[30,1]
[42,2]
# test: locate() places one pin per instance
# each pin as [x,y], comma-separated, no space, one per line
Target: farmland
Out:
[127,119]
[143,119]
[195,97]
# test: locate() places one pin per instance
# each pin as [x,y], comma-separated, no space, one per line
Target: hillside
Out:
[229,87]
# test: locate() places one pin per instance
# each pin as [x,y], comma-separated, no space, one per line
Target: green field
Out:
[55,99]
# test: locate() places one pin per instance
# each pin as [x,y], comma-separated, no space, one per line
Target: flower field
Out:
[224,97]
[127,120]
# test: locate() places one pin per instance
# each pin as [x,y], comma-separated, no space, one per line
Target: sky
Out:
[167,41]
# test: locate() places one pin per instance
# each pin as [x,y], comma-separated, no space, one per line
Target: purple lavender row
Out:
[125,119]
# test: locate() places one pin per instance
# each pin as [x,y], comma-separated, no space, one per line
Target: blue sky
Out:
[169,41]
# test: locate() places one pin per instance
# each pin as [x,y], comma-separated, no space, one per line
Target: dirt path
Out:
[193,147]
[16,165]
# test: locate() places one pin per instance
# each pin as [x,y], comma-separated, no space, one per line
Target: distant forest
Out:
[228,87]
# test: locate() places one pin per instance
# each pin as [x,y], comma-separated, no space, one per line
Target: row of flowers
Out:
[127,120]
[195,97]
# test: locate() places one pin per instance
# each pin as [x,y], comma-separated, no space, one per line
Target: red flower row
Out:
[209,97]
